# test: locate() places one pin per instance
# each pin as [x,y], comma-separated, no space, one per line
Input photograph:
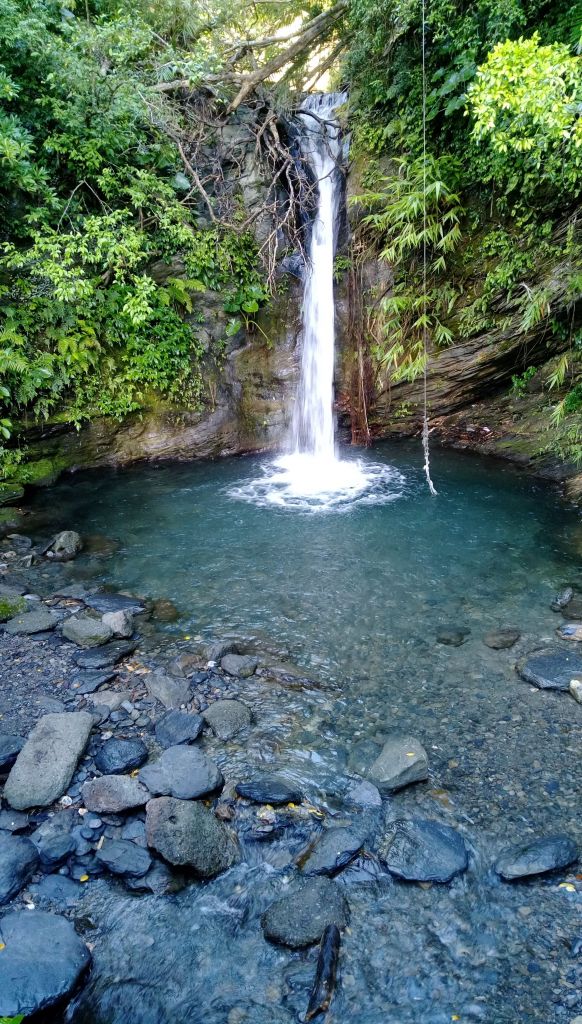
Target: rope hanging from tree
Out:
[425,431]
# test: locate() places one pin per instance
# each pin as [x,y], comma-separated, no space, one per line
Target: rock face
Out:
[124,858]
[85,631]
[178,727]
[45,765]
[537,857]
[66,545]
[112,794]
[18,860]
[551,669]
[423,851]
[171,692]
[41,962]
[226,718]
[38,621]
[182,772]
[268,789]
[402,760]
[116,757]
[300,918]
[242,665]
[188,835]
[331,851]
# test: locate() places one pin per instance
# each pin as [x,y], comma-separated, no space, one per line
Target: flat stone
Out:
[226,718]
[537,857]
[104,657]
[551,668]
[403,760]
[300,918]
[89,682]
[104,603]
[177,727]
[452,636]
[41,962]
[170,691]
[116,757]
[85,631]
[241,665]
[331,851]
[124,858]
[268,789]
[10,747]
[112,699]
[188,835]
[112,794]
[182,772]
[18,860]
[37,621]
[570,631]
[501,639]
[419,850]
[66,545]
[120,623]
[44,767]
[364,794]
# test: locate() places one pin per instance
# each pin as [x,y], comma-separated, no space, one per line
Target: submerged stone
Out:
[551,668]
[66,545]
[300,918]
[268,789]
[44,767]
[124,858]
[242,665]
[452,636]
[420,850]
[331,851]
[403,760]
[226,718]
[537,857]
[501,639]
[189,835]
[41,961]
[570,631]
[182,772]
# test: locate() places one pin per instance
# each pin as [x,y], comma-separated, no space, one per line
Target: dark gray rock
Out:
[112,794]
[89,682]
[217,650]
[104,603]
[55,850]
[44,767]
[268,789]
[188,835]
[66,545]
[402,760]
[551,668]
[42,960]
[300,918]
[116,757]
[452,636]
[13,821]
[177,727]
[159,879]
[241,665]
[10,747]
[562,599]
[109,654]
[57,889]
[86,631]
[37,621]
[501,639]
[364,794]
[18,860]
[226,718]
[183,772]
[331,851]
[169,690]
[537,857]
[423,851]
[124,858]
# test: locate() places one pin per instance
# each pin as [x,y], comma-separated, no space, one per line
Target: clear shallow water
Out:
[356,597]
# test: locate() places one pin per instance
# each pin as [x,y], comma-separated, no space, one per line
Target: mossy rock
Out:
[10,491]
[10,607]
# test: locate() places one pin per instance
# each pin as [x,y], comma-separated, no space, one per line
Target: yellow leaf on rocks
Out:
[84,878]
[2,945]
[567,886]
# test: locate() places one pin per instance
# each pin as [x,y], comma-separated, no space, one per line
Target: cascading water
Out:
[312,476]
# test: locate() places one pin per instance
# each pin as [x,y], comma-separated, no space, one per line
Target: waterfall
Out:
[313,420]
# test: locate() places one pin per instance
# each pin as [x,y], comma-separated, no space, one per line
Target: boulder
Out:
[300,918]
[41,962]
[551,669]
[10,747]
[170,691]
[89,682]
[115,757]
[112,794]
[177,727]
[37,621]
[44,767]
[331,851]
[537,857]
[124,858]
[66,545]
[120,623]
[402,760]
[241,665]
[183,772]
[18,860]
[226,718]
[269,789]
[423,851]
[501,639]
[86,631]
[188,835]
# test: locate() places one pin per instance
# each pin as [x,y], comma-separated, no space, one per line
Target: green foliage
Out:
[519,382]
